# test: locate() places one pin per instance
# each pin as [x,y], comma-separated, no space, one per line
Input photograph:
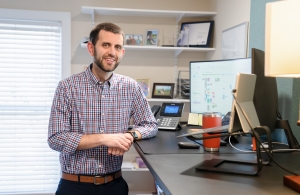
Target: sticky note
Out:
[200,119]
[193,119]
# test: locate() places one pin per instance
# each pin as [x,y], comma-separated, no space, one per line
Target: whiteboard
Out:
[234,41]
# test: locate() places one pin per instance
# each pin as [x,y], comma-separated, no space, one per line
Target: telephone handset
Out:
[168,115]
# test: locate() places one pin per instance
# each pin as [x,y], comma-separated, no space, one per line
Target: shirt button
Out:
[101,131]
[100,166]
[103,114]
[103,96]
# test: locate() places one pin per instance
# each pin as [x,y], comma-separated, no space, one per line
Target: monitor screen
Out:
[211,84]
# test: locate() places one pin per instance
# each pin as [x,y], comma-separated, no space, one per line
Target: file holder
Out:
[215,164]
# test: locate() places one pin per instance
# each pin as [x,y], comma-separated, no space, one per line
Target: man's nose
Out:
[112,50]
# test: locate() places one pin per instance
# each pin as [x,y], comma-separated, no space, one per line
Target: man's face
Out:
[108,51]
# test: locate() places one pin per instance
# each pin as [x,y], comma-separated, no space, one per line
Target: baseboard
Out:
[292,181]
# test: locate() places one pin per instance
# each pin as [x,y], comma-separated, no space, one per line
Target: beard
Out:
[99,62]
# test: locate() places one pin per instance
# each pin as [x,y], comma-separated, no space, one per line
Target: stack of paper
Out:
[128,165]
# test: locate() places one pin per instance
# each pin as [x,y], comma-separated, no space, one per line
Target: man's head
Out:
[106,46]
[110,27]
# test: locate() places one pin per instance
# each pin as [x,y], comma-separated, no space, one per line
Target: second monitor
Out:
[211,84]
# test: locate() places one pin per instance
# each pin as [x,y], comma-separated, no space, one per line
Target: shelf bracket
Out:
[93,18]
[179,18]
[177,52]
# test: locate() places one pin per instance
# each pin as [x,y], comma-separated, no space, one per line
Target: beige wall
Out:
[156,65]
[137,64]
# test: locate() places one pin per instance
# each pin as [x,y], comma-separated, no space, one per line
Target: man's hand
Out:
[118,144]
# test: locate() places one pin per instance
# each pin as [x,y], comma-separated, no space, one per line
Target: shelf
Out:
[139,169]
[178,15]
[177,50]
[167,100]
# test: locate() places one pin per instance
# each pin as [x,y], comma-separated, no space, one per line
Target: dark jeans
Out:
[116,187]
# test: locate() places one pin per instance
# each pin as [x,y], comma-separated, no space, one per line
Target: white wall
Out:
[229,13]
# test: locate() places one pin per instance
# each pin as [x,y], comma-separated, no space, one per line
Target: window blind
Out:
[30,69]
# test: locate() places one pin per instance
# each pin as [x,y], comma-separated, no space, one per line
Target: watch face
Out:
[134,134]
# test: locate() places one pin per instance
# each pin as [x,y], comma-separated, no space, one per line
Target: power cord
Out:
[257,138]
[276,150]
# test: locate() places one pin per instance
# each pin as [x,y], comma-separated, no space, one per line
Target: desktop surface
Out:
[175,169]
[166,142]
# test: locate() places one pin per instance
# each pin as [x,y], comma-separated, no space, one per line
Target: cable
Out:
[237,148]
[277,143]
[257,138]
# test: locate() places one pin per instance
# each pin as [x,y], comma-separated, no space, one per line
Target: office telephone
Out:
[168,115]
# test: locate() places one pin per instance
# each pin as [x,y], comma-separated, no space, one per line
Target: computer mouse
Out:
[188,145]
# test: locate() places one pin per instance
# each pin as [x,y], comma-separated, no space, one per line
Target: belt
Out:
[97,180]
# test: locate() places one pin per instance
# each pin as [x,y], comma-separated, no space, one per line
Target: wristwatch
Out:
[133,134]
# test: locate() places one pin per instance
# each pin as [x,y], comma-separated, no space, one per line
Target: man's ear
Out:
[90,48]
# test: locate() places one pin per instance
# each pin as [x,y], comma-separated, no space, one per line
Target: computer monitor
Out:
[265,95]
[212,82]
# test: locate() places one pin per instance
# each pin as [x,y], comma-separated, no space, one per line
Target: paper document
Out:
[208,130]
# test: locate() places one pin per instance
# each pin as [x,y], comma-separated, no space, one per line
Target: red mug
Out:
[209,120]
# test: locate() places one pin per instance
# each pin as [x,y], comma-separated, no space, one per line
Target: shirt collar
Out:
[94,81]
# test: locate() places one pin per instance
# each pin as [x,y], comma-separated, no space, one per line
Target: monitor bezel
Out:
[220,60]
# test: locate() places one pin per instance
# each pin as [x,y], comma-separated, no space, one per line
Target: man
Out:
[89,119]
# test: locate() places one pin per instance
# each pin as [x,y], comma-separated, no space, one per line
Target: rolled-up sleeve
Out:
[60,137]
[143,118]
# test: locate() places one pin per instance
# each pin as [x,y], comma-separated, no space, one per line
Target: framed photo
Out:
[151,37]
[145,85]
[133,39]
[163,90]
[195,34]
[234,41]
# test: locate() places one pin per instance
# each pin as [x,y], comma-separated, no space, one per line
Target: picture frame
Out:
[163,90]
[234,41]
[145,85]
[195,34]
[151,37]
[133,39]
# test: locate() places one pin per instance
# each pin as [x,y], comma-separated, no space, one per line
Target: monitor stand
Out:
[239,166]
[291,139]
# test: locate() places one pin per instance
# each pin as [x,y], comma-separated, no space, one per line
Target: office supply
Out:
[211,83]
[221,129]
[188,145]
[200,119]
[193,119]
[282,55]
[183,85]
[169,115]
[234,41]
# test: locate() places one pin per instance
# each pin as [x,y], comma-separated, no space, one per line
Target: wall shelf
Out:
[178,15]
[177,50]
[167,100]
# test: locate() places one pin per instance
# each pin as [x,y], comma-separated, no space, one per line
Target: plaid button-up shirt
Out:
[84,105]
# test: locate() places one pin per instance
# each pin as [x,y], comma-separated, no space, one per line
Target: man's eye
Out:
[105,45]
[118,47]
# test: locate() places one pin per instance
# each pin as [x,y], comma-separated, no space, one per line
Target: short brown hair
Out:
[110,27]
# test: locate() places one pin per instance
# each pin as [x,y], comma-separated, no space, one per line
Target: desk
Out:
[175,171]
